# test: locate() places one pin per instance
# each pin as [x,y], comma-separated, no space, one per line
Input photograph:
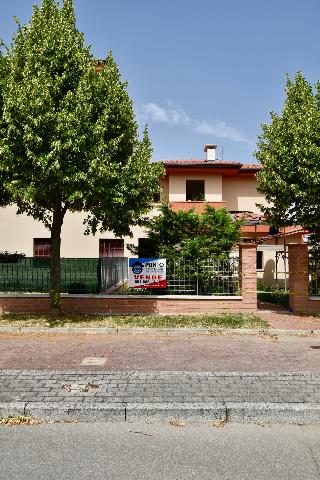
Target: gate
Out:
[114,274]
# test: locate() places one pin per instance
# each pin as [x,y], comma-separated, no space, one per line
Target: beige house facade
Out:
[22,234]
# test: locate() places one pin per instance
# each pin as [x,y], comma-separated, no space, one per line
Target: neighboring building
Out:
[222,184]
[186,184]
[232,185]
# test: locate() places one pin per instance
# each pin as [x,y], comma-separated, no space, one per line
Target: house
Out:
[186,184]
[231,185]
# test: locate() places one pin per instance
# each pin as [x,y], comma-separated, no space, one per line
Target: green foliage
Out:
[10,257]
[68,135]
[314,243]
[289,151]
[272,294]
[191,235]
[5,197]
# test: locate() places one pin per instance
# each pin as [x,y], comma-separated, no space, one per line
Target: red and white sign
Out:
[147,273]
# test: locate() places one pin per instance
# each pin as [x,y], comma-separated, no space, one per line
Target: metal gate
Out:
[114,274]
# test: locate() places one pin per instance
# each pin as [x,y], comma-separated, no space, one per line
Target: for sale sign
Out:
[147,273]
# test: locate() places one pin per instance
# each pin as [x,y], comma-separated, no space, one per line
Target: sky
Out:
[199,71]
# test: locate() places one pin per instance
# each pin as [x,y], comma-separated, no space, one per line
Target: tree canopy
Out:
[4,194]
[191,235]
[289,151]
[68,135]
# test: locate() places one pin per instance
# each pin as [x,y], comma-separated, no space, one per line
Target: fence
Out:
[304,276]
[314,275]
[78,275]
[109,275]
[114,274]
[208,277]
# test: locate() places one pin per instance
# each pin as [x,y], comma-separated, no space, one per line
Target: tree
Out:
[4,194]
[191,235]
[68,136]
[289,151]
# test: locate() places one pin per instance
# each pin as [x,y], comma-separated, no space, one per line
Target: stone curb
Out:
[152,373]
[280,413]
[266,413]
[153,331]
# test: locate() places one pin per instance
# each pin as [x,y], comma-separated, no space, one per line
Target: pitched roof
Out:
[249,218]
[251,166]
[212,164]
[198,162]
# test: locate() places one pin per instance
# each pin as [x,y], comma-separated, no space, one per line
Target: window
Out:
[41,247]
[259,260]
[145,248]
[156,197]
[195,190]
[111,247]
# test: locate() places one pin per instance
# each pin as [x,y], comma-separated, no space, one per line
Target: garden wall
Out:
[151,304]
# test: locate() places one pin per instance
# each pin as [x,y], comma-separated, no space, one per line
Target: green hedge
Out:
[272,294]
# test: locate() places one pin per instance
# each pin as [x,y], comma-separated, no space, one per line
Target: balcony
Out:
[198,206]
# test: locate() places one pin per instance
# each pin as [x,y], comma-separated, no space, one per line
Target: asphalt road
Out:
[159,451]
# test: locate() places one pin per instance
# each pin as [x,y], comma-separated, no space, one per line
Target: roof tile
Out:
[205,163]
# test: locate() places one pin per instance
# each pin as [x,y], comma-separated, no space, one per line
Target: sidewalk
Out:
[215,352]
[157,377]
[280,318]
[128,375]
[152,396]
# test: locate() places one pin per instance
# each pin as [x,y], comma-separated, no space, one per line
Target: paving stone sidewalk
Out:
[164,396]
[158,387]
[161,352]
[282,319]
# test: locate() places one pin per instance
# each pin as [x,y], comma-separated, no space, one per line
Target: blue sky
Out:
[199,71]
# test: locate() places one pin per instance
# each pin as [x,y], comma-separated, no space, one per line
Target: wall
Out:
[18,231]
[126,305]
[177,187]
[164,185]
[241,194]
[162,305]
[268,273]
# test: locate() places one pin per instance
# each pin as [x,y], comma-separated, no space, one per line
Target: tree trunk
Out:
[55,272]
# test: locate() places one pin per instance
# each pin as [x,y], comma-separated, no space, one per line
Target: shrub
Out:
[272,294]
[10,257]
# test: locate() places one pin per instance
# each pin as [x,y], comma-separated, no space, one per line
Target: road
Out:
[159,451]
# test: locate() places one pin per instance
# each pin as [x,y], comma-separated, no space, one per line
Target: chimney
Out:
[210,152]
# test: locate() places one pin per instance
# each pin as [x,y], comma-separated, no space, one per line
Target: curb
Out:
[173,373]
[153,331]
[266,413]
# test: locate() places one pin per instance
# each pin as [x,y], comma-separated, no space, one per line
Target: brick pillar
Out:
[248,272]
[298,277]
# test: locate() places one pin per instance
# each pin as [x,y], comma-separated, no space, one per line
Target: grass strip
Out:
[227,320]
